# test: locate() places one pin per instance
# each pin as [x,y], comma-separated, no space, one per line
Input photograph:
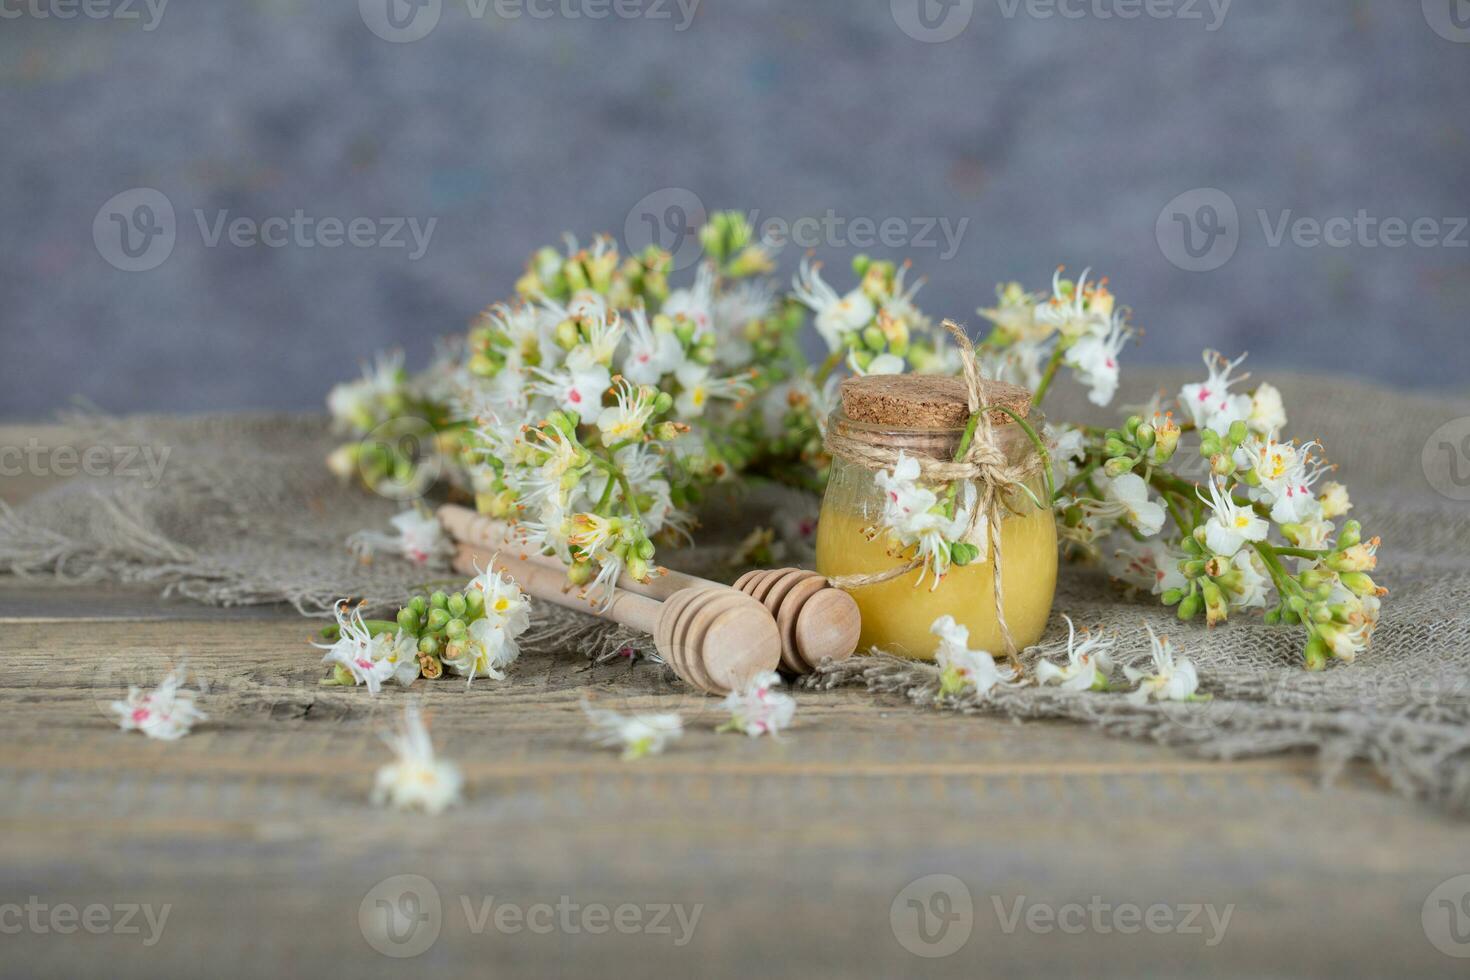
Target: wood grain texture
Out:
[256,830]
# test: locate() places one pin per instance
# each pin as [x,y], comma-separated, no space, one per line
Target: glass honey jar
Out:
[926,417]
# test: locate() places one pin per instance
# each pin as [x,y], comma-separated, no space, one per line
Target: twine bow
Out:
[980,460]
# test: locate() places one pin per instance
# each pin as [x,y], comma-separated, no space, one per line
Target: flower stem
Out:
[1046,377]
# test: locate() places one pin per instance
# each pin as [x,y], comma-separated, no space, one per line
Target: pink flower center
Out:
[141,714]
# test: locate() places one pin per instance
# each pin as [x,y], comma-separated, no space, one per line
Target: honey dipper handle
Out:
[486,533]
[549,584]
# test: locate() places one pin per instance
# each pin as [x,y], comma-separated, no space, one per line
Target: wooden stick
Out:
[715,639]
[815,622]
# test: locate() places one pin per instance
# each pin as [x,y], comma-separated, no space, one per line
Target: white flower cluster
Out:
[961,669]
[875,323]
[638,735]
[1089,667]
[594,425]
[916,517]
[470,634]
[417,537]
[167,712]
[416,779]
[1078,325]
[1250,517]
[760,707]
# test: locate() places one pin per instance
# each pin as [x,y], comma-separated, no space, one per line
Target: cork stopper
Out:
[925,401]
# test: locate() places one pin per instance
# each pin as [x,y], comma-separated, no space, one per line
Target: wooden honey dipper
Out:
[716,639]
[816,622]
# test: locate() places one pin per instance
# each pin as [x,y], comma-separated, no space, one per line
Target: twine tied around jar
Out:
[979,460]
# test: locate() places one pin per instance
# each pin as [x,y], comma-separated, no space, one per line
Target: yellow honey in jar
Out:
[925,416]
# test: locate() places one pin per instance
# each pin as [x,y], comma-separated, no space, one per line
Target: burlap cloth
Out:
[247,514]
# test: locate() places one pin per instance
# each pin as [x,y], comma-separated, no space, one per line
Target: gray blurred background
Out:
[1064,133]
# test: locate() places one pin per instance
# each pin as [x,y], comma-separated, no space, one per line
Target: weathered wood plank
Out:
[257,831]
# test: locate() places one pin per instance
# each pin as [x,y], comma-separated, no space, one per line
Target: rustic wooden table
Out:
[250,847]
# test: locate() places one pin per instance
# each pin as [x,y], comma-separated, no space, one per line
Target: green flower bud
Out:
[455,629]
[1172,597]
[474,601]
[408,621]
[860,265]
[1317,653]
[662,403]
[567,335]
[1117,467]
[419,605]
[580,573]
[438,619]
[1216,608]
[1351,536]
[429,645]
[438,600]
[963,553]
[1359,583]
[457,605]
[1238,433]
[1144,436]
[1189,607]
